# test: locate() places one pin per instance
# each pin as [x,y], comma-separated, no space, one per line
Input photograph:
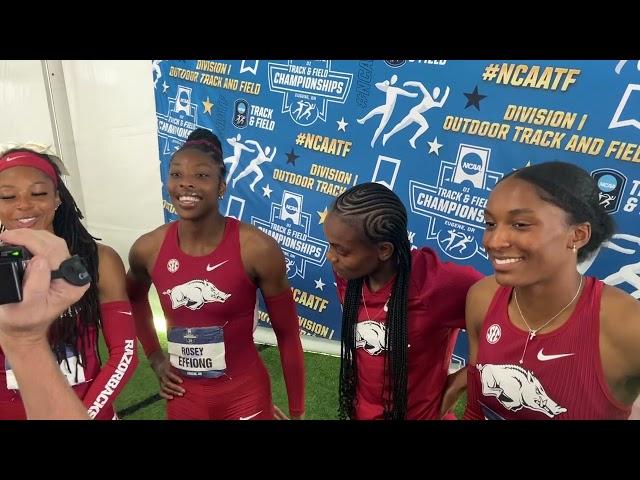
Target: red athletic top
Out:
[436,306]
[209,303]
[561,375]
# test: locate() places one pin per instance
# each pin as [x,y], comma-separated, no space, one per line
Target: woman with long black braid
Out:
[33,195]
[401,311]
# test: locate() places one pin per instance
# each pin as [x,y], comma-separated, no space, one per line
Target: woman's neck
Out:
[545,299]
[200,236]
[381,276]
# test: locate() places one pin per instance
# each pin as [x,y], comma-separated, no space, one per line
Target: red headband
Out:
[28,159]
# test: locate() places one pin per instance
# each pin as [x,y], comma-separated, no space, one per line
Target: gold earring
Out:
[574,248]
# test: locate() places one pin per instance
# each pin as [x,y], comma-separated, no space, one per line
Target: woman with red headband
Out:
[32,195]
[206,269]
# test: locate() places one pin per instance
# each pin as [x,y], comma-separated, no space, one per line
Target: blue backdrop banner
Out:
[440,133]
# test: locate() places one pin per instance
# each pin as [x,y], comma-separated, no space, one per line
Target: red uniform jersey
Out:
[561,374]
[436,306]
[209,303]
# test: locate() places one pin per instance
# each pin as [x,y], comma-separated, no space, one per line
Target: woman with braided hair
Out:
[401,311]
[545,342]
[33,195]
[207,268]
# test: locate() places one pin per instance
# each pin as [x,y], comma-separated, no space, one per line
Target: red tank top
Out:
[561,376]
[435,312]
[211,294]
[79,377]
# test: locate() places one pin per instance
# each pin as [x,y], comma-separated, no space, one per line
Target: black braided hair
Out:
[383,218]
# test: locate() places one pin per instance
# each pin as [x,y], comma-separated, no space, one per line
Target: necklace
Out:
[533,332]
[383,309]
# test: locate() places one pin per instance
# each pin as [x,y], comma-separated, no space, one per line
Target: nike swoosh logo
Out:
[544,358]
[210,268]
[126,313]
[250,416]
[15,157]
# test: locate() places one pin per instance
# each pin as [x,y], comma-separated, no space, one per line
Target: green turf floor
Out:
[139,399]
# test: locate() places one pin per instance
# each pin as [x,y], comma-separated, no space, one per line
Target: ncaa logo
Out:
[291,208]
[395,63]
[611,185]
[494,332]
[607,183]
[240,113]
[173,265]
[183,100]
[471,163]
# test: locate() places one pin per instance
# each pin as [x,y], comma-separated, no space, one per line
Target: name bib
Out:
[197,352]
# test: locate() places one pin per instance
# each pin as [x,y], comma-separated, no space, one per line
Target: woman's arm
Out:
[267,262]
[119,333]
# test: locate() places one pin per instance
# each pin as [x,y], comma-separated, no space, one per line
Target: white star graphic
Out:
[342,125]
[434,147]
[266,191]
[164,86]
[319,284]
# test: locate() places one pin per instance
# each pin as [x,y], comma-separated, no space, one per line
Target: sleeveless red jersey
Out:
[209,303]
[435,311]
[561,375]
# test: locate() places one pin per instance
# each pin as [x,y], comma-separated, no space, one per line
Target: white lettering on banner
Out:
[309,83]
[290,226]
[449,207]
[261,117]
[114,381]
[307,88]
[299,245]
[201,358]
[431,62]
[166,127]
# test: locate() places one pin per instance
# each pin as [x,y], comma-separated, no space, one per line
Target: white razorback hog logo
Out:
[515,388]
[371,336]
[194,294]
